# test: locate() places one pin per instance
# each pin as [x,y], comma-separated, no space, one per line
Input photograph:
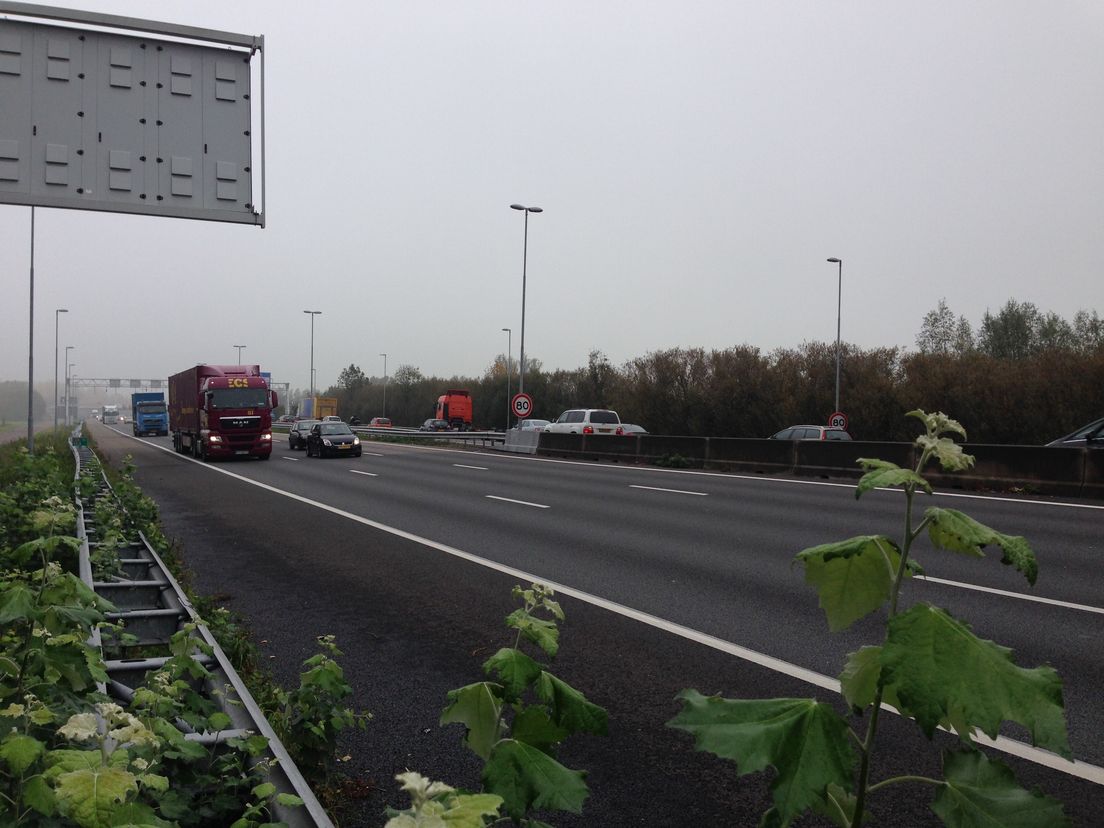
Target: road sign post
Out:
[521,406]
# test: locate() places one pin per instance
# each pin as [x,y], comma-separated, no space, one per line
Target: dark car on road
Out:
[1090,436]
[435,425]
[332,438]
[297,434]
[811,432]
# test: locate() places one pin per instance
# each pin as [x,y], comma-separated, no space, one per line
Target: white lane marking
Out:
[521,502]
[752,477]
[1007,594]
[672,491]
[462,466]
[1082,770]
[374,454]
[295,459]
[366,474]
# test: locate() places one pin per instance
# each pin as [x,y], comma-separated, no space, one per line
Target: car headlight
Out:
[356,441]
[327,443]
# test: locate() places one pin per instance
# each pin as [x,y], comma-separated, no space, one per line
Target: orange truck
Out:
[455,406]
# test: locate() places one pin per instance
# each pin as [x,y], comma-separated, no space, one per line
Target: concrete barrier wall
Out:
[1059,471]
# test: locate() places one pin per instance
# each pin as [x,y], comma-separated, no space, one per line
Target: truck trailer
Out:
[315,408]
[148,414]
[221,411]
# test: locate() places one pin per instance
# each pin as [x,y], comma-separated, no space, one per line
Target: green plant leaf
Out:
[289,800]
[982,793]
[19,752]
[853,577]
[18,603]
[514,669]
[805,741]
[938,423]
[527,778]
[958,532]
[534,727]
[839,807]
[477,706]
[941,671]
[545,634]
[884,475]
[38,794]
[946,451]
[90,797]
[219,721]
[859,679]
[468,810]
[264,790]
[569,707]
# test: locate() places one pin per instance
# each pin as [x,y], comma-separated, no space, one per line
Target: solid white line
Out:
[1021,595]
[672,491]
[1082,770]
[374,454]
[296,459]
[366,474]
[521,502]
[462,466]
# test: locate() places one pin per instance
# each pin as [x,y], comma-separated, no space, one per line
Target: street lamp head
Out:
[517,206]
[508,330]
[62,310]
[527,209]
[834,260]
[536,209]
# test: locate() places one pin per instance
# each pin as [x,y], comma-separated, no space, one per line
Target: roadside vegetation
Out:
[1046,369]
[930,667]
[71,755]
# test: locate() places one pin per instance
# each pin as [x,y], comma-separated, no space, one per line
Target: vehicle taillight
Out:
[588,429]
[620,430]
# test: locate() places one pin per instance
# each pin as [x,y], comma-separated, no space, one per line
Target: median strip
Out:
[672,491]
[520,502]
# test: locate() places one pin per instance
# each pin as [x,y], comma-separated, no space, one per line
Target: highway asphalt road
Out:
[408,554]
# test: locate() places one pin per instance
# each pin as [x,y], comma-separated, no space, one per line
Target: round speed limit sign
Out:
[521,405]
[838,420]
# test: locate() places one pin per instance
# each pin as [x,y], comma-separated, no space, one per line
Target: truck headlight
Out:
[213,438]
[266,436]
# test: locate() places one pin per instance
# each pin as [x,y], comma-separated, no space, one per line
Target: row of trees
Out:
[1024,377]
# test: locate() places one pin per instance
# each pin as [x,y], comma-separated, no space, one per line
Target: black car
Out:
[297,434]
[435,425]
[1090,436]
[332,438]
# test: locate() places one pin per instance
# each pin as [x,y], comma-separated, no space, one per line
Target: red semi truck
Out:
[221,411]
[455,406]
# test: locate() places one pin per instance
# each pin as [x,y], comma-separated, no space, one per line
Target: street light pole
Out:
[69,393]
[384,384]
[524,260]
[839,304]
[56,312]
[312,315]
[509,350]
[240,349]
[68,348]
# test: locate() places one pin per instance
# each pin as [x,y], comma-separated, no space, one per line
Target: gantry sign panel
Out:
[103,121]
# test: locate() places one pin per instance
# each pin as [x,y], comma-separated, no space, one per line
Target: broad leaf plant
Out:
[516,720]
[930,667]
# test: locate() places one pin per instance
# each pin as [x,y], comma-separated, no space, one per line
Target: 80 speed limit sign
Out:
[838,420]
[521,405]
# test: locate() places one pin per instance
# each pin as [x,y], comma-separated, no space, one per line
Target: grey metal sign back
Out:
[98,120]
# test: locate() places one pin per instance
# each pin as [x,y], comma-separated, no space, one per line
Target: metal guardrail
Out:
[483,437]
[153,607]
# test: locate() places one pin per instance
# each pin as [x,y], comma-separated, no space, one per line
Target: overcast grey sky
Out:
[697,163]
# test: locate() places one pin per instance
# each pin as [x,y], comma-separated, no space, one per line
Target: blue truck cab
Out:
[148,413]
